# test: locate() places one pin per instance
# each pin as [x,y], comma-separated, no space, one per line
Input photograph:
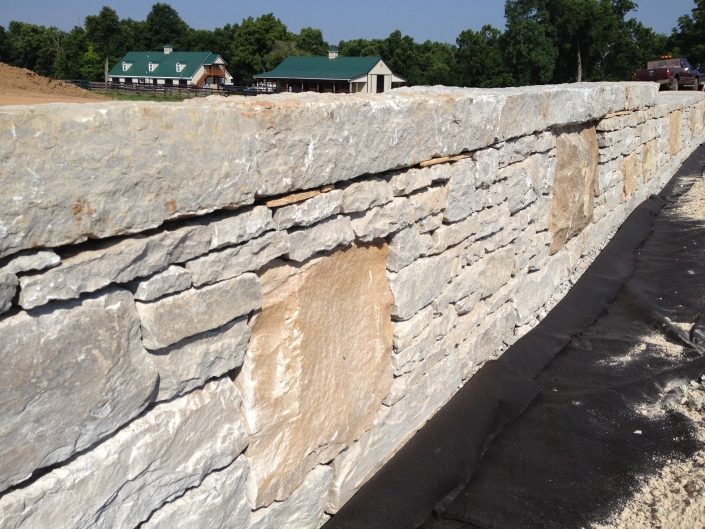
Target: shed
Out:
[332,74]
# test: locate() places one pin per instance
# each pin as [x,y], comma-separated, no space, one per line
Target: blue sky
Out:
[440,20]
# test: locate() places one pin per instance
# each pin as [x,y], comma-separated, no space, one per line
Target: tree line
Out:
[545,41]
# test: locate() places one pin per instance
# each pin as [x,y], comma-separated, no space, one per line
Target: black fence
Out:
[165,90]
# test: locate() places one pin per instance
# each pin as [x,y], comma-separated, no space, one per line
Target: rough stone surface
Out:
[69,378]
[217,503]
[152,461]
[405,247]
[361,196]
[629,167]
[303,509]
[309,212]
[171,319]
[231,262]
[32,262]
[573,192]
[241,227]
[8,289]
[320,238]
[120,262]
[194,361]
[317,367]
[417,285]
[462,197]
[59,199]
[172,280]
[381,221]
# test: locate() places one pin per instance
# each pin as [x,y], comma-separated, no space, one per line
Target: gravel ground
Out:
[675,497]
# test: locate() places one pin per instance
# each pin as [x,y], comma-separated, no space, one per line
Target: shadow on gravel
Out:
[556,433]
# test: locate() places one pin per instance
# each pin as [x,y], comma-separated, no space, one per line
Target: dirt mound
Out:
[19,86]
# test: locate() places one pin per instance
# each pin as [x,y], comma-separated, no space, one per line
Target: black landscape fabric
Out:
[550,435]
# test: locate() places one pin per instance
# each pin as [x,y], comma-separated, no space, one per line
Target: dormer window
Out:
[180,67]
[153,66]
[126,66]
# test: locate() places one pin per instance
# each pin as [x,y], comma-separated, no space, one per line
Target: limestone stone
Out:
[172,280]
[406,330]
[194,361]
[418,284]
[217,503]
[366,194]
[236,260]
[303,509]
[171,319]
[285,143]
[8,289]
[320,238]
[430,223]
[518,149]
[317,367]
[309,212]
[70,377]
[405,247]
[241,227]
[430,201]
[147,464]
[32,262]
[410,180]
[392,427]
[381,221]
[120,262]
[463,198]
[451,234]
[573,192]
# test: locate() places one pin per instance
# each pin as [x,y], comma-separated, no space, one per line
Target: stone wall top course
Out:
[104,169]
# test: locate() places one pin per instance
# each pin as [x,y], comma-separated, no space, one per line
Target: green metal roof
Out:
[139,61]
[340,68]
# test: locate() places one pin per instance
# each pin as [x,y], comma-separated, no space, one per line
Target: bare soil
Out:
[19,86]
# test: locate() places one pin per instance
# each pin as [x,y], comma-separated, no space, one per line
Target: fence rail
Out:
[186,91]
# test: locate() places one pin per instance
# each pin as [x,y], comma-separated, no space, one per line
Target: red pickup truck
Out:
[671,73]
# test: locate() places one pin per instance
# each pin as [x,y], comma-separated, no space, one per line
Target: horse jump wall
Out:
[229,313]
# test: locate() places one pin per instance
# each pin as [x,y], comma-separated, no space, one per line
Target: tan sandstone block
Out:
[317,367]
[649,159]
[674,134]
[629,167]
[572,202]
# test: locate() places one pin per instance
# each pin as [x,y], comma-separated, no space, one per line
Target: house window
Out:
[180,67]
[153,66]
[125,66]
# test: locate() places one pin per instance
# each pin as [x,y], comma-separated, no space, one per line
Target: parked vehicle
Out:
[673,74]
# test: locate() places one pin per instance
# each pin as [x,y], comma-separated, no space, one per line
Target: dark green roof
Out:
[340,68]
[139,61]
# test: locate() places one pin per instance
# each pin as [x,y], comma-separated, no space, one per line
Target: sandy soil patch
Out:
[19,86]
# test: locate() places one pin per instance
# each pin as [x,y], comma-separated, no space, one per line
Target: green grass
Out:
[118,96]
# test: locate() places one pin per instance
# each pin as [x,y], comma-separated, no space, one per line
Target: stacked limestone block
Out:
[211,318]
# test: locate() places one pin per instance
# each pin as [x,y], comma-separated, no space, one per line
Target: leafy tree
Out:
[104,35]
[92,65]
[133,36]
[310,42]
[253,45]
[688,39]
[4,46]
[361,48]
[69,60]
[31,46]
[480,58]
[164,26]
[530,50]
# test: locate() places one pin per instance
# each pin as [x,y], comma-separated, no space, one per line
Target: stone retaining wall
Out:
[231,313]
